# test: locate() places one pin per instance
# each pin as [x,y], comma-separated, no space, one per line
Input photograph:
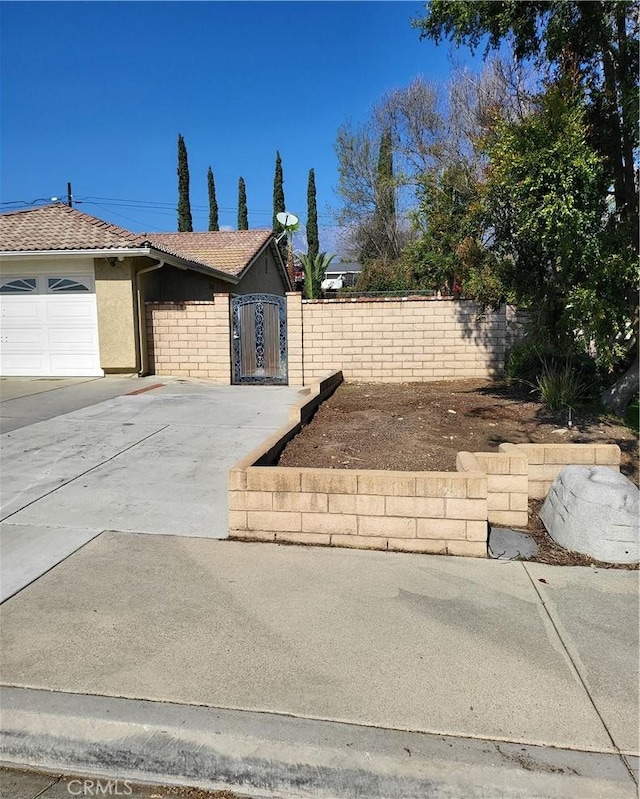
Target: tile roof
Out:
[227,251]
[58,227]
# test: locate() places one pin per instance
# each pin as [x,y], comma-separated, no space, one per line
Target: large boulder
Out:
[594,510]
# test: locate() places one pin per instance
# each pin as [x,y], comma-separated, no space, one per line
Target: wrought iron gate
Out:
[259,328]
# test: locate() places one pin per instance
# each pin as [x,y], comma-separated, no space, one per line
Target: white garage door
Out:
[49,326]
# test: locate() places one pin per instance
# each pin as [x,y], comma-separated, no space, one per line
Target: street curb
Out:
[268,755]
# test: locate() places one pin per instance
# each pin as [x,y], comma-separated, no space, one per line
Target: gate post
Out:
[218,339]
[294,338]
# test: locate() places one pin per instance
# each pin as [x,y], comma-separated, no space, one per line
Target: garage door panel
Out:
[70,310]
[23,364]
[49,334]
[27,338]
[72,338]
[71,364]
[21,311]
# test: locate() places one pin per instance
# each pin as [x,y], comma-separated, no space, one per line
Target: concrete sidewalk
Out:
[536,664]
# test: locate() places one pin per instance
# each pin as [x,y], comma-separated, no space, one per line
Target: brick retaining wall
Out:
[436,512]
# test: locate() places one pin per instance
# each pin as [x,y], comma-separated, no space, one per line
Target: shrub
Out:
[533,363]
[561,385]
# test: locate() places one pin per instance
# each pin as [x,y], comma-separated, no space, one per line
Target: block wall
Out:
[190,339]
[437,512]
[507,484]
[396,340]
[544,461]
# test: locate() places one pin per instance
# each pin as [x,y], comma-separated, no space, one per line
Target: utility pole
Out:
[69,196]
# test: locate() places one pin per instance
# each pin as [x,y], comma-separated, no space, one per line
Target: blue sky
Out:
[96,94]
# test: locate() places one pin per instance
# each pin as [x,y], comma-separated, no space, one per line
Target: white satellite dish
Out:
[287,220]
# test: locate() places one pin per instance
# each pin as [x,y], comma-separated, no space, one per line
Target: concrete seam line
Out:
[575,667]
[78,476]
[47,391]
[56,780]
[66,557]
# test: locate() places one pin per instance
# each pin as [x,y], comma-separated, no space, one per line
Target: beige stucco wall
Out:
[117,317]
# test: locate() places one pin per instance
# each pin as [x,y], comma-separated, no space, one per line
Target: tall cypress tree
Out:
[243,213]
[313,242]
[185,221]
[278,192]
[278,206]
[213,203]
[381,238]
[386,205]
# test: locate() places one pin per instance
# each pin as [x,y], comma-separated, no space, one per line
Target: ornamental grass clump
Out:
[561,386]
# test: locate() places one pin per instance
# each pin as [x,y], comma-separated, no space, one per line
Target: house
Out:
[341,275]
[73,287]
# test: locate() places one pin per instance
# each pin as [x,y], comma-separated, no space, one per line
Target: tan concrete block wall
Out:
[508,487]
[400,340]
[294,339]
[403,511]
[190,339]
[545,461]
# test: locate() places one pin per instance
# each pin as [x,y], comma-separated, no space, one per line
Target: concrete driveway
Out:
[153,462]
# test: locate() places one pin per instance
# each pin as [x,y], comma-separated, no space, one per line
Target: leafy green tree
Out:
[185,221]
[548,215]
[243,213]
[598,42]
[443,221]
[213,203]
[598,39]
[313,241]
[385,276]
[314,269]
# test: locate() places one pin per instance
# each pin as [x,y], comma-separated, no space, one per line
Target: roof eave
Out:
[105,252]
[183,263]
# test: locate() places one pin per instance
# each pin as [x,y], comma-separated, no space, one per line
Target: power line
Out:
[149,206]
[128,218]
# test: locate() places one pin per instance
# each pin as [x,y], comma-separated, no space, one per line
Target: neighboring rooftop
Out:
[227,251]
[58,227]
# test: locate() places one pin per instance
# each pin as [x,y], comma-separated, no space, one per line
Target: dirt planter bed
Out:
[443,512]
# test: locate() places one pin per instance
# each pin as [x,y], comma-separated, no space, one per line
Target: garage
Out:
[49,324]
